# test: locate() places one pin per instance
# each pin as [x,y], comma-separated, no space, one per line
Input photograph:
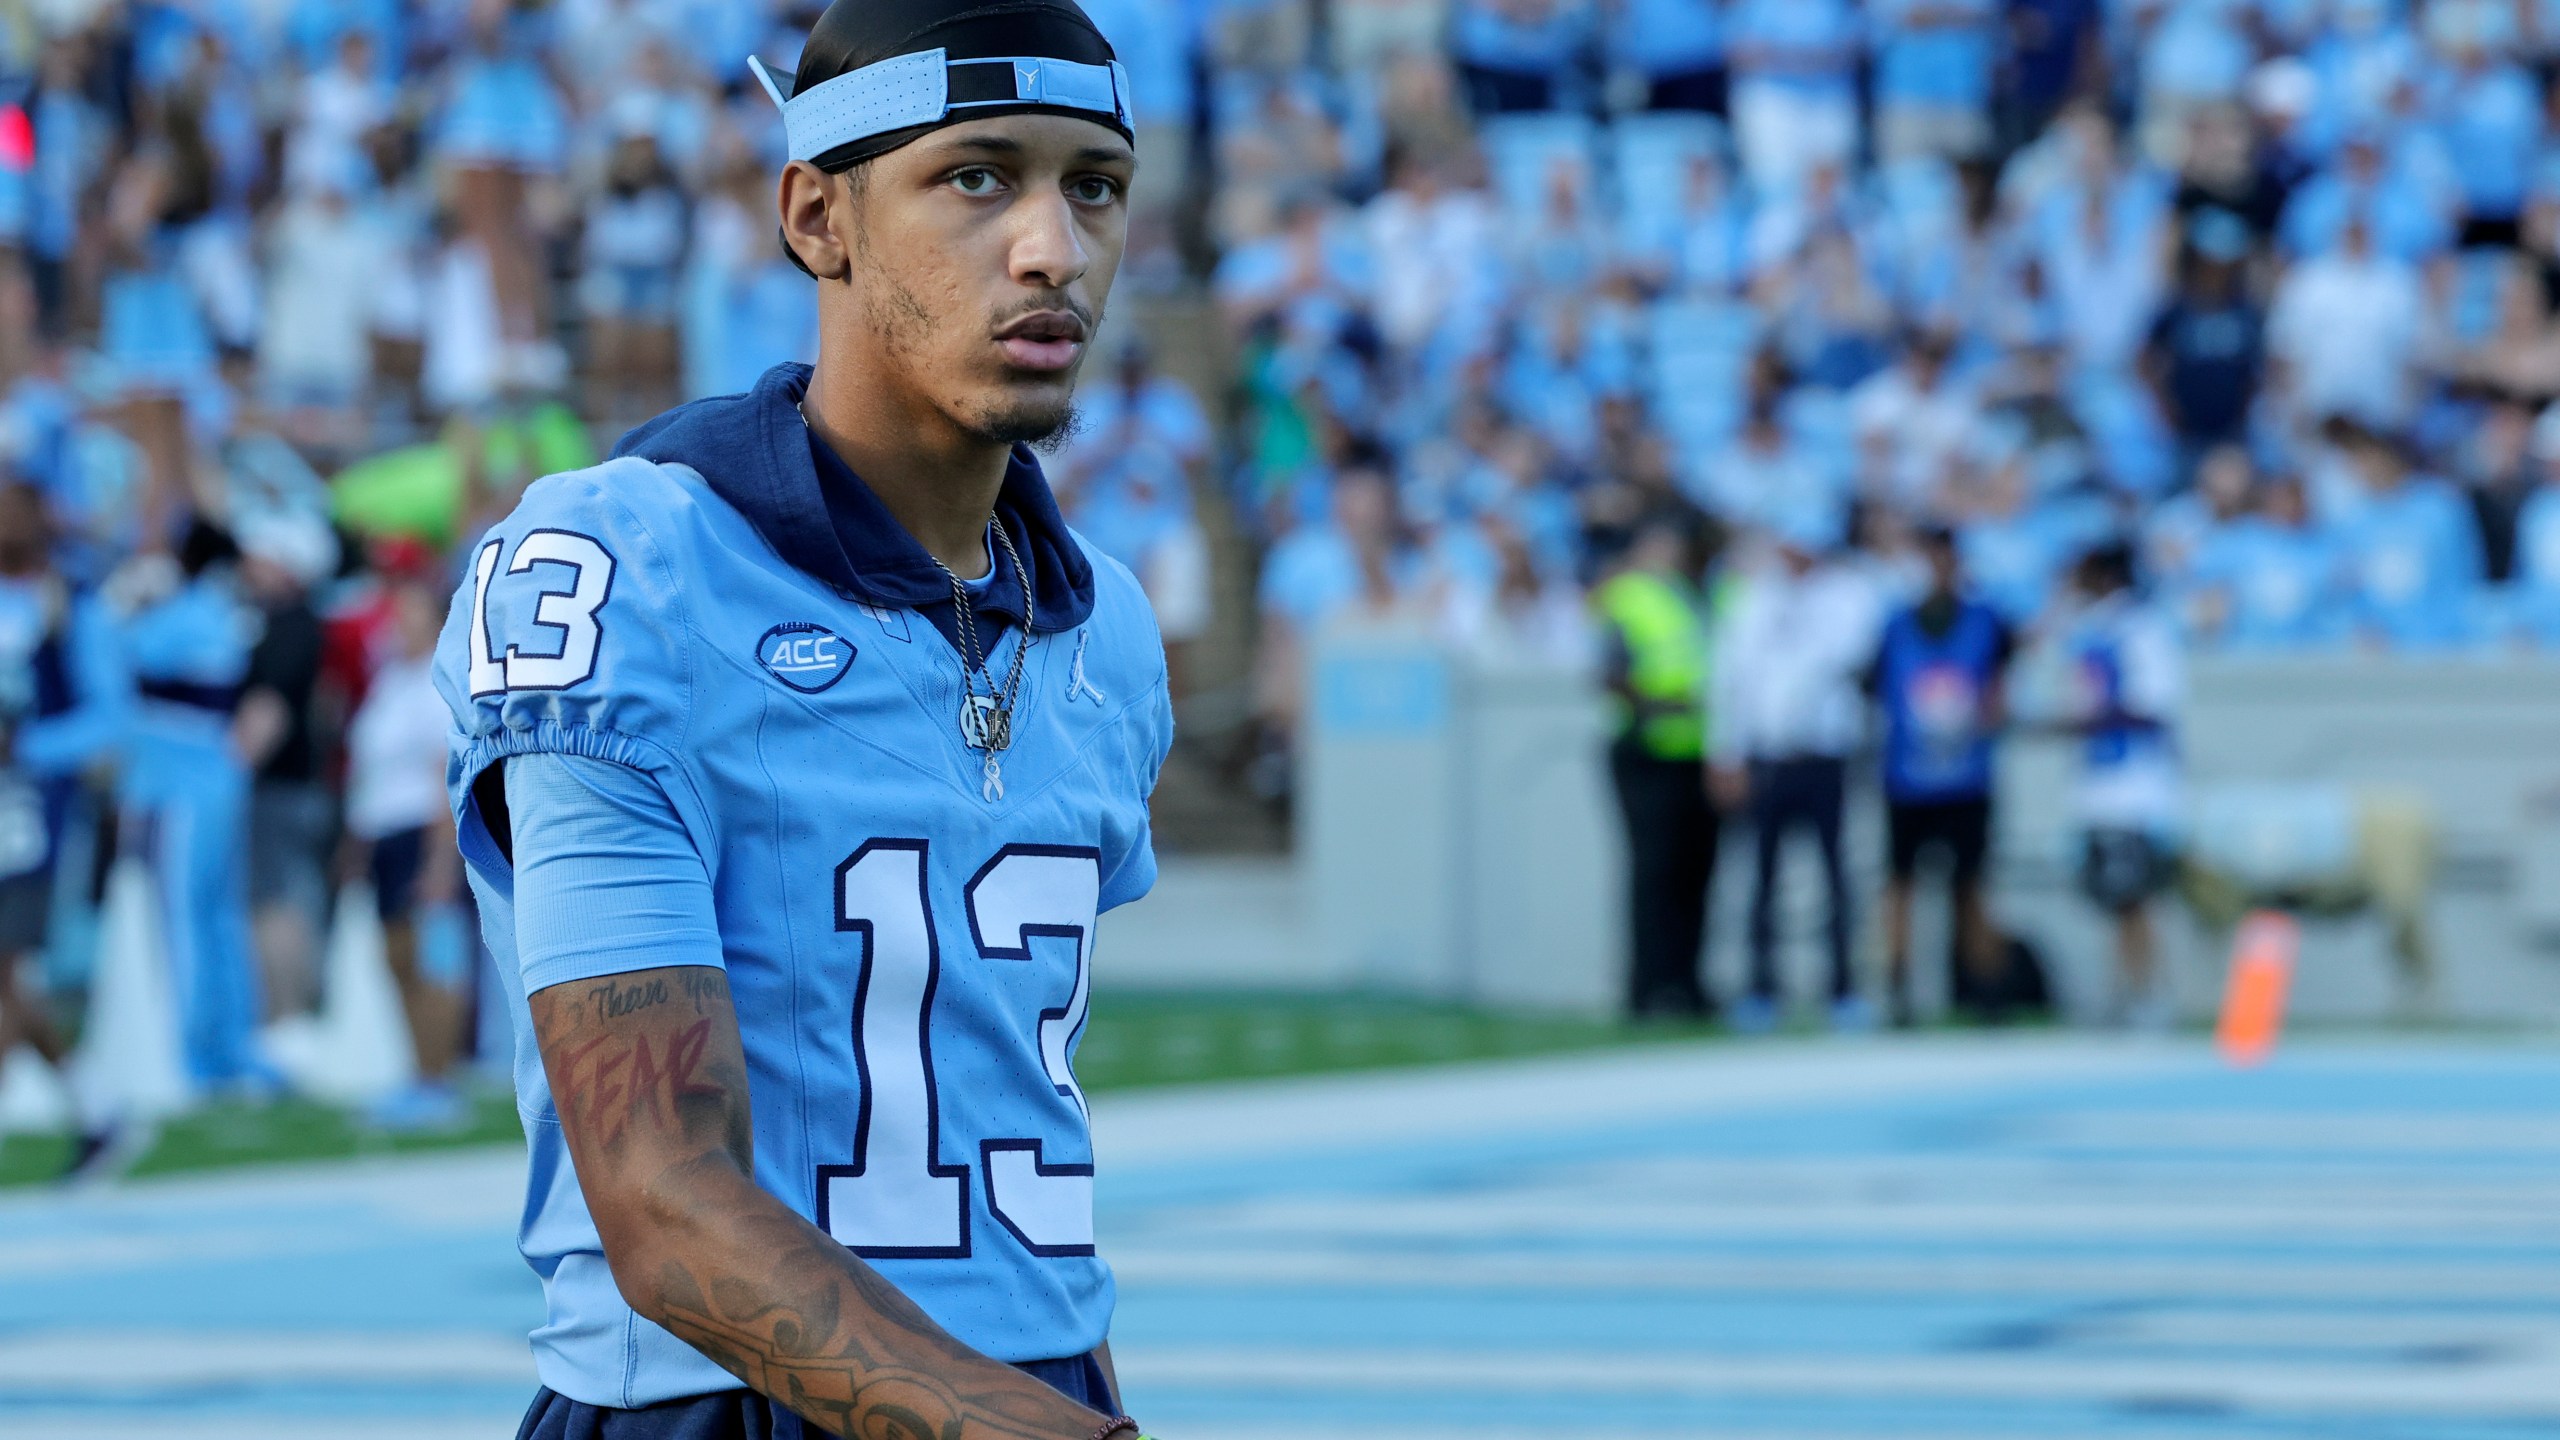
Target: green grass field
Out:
[1132,1041]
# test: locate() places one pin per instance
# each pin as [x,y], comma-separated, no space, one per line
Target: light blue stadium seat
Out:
[1521,152]
[1649,160]
[1700,352]
[1819,421]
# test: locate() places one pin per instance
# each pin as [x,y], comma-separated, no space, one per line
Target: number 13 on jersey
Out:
[899,1198]
[570,613]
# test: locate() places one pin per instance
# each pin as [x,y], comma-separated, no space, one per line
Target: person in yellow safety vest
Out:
[1655,619]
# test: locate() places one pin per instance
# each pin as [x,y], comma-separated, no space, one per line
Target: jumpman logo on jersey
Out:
[1078,687]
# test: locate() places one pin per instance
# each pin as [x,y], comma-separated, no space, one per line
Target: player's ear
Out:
[809,200]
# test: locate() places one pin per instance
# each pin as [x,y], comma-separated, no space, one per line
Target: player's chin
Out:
[1038,415]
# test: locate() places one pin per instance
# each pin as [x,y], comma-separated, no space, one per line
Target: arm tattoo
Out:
[650,1082]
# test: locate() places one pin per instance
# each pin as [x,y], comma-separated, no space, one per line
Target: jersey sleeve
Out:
[607,878]
[570,634]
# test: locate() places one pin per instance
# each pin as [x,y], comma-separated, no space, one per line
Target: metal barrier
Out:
[1457,837]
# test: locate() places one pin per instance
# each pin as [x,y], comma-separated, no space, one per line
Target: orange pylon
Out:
[2261,972]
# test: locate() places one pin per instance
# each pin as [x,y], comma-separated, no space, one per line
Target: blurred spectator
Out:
[277,730]
[2494,467]
[1765,473]
[1353,564]
[2050,47]
[2519,358]
[1527,616]
[2224,169]
[1933,77]
[2537,538]
[2182,526]
[2269,579]
[396,811]
[66,698]
[1938,677]
[1787,712]
[2209,344]
[635,247]
[186,637]
[325,262]
[1126,482]
[1519,54]
[502,130]
[1657,621]
[2412,547]
[2401,215]
[1914,422]
[2347,332]
[2129,684]
[2097,235]
[1674,47]
[2492,113]
[1795,101]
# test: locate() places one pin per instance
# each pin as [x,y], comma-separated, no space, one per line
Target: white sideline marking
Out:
[109,1362]
[2132,1277]
[2527,1386]
[88,1425]
[1508,1098]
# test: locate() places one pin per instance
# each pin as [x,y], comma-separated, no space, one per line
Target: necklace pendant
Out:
[992,787]
[986,724]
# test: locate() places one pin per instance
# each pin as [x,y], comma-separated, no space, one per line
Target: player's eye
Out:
[1093,189]
[975,180]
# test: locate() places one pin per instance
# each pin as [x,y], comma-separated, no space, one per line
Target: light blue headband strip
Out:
[916,90]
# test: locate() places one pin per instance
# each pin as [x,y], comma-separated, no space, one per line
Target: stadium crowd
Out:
[2267,285]
[2215,324]
[296,294]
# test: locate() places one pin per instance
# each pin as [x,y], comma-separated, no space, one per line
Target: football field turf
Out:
[2027,1237]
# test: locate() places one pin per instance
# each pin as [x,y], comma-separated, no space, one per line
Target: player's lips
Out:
[1043,340]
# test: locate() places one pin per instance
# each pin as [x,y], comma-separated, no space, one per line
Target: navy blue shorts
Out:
[745,1415]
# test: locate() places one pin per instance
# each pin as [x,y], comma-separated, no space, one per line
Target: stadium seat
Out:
[1700,352]
[1521,153]
[1649,160]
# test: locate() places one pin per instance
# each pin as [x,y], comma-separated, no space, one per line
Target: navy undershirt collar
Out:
[878,545]
[757,453]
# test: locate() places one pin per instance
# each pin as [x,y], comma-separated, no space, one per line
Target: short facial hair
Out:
[1046,431]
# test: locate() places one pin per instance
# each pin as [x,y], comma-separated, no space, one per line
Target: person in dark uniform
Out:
[1655,617]
[1938,680]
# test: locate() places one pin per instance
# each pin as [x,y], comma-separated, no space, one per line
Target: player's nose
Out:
[1048,246]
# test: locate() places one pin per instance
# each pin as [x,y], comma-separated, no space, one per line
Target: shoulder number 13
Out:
[571,612]
[898,1199]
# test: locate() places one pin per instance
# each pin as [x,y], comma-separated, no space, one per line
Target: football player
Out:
[796,749]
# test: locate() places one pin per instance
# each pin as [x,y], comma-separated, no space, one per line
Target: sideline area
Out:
[2032,1237]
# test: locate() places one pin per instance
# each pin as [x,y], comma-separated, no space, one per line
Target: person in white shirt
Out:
[325,263]
[1436,251]
[396,810]
[1913,423]
[338,107]
[1787,711]
[2348,331]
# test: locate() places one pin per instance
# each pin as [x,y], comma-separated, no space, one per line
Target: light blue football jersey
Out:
[909,946]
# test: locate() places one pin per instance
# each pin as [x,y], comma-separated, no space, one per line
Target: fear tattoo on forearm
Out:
[613,1077]
[652,1092]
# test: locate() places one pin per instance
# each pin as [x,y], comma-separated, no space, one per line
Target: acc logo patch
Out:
[806,657]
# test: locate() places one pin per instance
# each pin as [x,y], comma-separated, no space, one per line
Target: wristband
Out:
[1119,1425]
